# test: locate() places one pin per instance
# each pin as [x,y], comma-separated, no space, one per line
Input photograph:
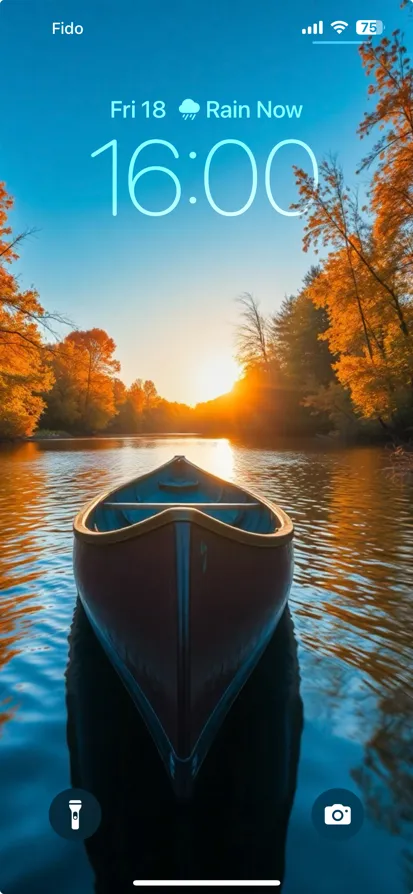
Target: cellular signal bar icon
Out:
[313,29]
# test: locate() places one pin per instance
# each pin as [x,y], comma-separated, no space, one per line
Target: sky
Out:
[164,287]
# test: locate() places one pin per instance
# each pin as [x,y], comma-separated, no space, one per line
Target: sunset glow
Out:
[217,376]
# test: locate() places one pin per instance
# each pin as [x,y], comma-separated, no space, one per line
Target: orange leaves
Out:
[375,359]
[329,206]
[83,396]
[365,283]
[24,372]
[140,407]
[6,203]
[135,397]
[20,409]
[99,347]
[392,185]
[151,395]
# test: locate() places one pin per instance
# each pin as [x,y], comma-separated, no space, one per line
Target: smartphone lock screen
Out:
[206,446]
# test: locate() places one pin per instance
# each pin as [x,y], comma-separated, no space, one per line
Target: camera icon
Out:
[337,815]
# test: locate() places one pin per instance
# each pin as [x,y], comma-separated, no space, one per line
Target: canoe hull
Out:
[184,614]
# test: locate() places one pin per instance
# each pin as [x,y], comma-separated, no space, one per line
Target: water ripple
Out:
[351,598]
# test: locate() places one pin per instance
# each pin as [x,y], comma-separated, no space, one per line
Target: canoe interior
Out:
[179,483]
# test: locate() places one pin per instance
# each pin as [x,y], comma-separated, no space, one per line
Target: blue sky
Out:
[164,287]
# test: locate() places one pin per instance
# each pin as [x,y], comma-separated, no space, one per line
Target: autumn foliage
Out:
[362,289]
[24,372]
[82,397]
[365,282]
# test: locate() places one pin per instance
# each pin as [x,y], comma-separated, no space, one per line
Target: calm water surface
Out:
[352,611]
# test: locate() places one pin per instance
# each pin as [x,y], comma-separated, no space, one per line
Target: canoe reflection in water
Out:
[235,826]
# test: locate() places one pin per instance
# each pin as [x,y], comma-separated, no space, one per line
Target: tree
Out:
[24,373]
[365,290]
[119,394]
[297,339]
[83,396]
[150,394]
[95,351]
[392,186]
[252,334]
[371,369]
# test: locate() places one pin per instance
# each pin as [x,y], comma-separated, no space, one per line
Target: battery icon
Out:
[369,27]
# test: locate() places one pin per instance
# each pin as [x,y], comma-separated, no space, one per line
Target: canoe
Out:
[183,577]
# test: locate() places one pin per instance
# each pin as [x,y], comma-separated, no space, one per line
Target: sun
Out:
[217,376]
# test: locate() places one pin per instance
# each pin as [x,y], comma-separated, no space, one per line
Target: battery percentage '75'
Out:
[369,26]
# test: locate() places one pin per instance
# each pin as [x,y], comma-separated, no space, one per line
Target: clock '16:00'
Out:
[134,176]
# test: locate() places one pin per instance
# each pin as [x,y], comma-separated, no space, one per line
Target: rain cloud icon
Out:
[189,108]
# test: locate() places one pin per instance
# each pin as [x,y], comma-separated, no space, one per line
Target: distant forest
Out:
[337,356]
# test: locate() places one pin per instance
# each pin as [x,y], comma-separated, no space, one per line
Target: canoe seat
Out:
[175,485]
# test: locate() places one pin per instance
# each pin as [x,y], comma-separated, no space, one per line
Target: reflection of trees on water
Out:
[237,822]
[407,856]
[352,601]
[355,611]
[355,562]
[379,718]
[21,489]
[8,709]
[386,774]
[352,596]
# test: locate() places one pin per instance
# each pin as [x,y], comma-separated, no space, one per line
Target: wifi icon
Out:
[339,27]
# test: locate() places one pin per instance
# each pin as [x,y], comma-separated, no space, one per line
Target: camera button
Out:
[338,814]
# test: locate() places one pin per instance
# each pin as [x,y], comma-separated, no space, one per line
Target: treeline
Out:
[87,397]
[337,356]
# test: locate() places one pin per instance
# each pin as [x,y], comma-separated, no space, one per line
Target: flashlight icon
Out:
[75,808]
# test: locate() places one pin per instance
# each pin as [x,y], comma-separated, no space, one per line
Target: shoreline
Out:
[263,440]
[112,437]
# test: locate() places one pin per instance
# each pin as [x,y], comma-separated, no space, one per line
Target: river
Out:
[352,614]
